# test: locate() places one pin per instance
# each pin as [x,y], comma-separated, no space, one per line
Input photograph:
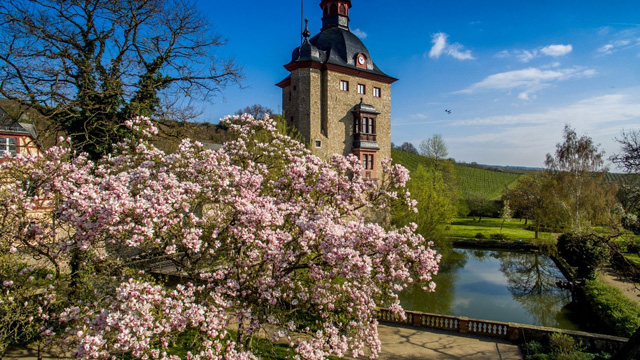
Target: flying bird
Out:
[448,111]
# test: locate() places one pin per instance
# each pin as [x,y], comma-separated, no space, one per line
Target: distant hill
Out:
[489,181]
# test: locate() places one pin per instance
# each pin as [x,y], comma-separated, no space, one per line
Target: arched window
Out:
[333,10]
[343,10]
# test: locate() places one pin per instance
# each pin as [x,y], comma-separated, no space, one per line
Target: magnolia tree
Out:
[260,238]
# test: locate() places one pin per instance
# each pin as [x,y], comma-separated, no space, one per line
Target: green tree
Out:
[434,148]
[479,205]
[506,214]
[408,147]
[436,202]
[528,199]
[580,197]
[89,65]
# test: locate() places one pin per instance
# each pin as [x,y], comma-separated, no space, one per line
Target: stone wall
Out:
[322,112]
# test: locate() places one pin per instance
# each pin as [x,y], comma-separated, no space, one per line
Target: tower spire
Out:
[306,33]
[335,13]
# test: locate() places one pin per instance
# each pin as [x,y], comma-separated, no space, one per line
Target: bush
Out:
[617,312]
[481,236]
[633,245]
[586,252]
[560,347]
[498,237]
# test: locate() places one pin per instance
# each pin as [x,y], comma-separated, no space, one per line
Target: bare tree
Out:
[256,110]
[629,158]
[88,65]
[434,148]
[577,169]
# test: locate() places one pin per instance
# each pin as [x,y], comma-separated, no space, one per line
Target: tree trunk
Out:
[630,349]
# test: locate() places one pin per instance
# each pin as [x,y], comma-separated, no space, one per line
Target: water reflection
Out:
[496,285]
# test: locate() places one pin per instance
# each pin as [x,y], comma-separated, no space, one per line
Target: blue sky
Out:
[513,73]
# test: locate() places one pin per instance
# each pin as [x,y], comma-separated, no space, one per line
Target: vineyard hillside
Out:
[491,184]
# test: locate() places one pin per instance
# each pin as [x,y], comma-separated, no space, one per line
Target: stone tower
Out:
[336,96]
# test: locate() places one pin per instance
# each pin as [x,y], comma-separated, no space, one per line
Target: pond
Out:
[496,285]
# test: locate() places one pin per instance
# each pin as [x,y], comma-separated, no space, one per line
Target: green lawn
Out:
[513,229]
[629,239]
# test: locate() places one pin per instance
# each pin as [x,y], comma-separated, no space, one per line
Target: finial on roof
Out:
[306,32]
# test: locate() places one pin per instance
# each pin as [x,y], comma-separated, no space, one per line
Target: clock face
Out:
[361,60]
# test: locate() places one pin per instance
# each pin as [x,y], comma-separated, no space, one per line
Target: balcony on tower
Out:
[364,127]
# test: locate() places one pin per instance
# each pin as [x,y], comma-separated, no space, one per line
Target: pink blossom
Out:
[252,231]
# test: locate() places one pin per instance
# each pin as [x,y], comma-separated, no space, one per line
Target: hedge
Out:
[620,314]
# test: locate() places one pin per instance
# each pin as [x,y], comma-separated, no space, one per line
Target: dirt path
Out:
[630,289]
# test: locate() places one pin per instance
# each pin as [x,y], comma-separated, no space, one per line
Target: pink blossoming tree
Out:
[262,239]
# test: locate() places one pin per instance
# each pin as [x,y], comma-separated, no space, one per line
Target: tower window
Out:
[8,145]
[368,126]
[376,92]
[361,89]
[344,85]
[367,161]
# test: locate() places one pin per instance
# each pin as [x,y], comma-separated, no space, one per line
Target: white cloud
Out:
[606,49]
[526,96]
[418,116]
[557,50]
[590,112]
[439,42]
[619,41]
[503,54]
[527,55]
[441,46]
[507,139]
[528,80]
[359,33]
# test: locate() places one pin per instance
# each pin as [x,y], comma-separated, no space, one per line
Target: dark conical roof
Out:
[335,46]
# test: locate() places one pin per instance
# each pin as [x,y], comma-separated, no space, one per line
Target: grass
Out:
[624,242]
[513,230]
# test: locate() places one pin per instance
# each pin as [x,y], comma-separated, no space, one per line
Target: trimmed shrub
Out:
[617,312]
[480,236]
[498,237]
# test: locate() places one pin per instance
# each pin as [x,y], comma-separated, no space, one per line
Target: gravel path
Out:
[630,289]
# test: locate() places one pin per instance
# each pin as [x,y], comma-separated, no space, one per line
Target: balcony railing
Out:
[364,137]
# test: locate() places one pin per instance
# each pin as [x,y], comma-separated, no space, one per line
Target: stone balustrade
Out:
[496,329]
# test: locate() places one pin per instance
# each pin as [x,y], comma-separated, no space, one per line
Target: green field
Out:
[489,183]
[513,230]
